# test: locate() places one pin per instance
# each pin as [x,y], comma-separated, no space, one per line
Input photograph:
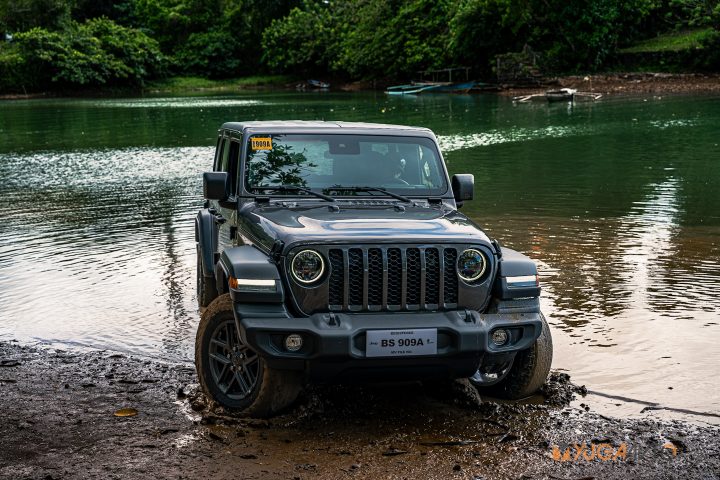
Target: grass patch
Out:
[671,42]
[198,83]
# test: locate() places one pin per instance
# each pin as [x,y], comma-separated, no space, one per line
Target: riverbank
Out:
[607,84]
[626,84]
[58,419]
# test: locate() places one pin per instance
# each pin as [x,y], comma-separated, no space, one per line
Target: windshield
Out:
[324,162]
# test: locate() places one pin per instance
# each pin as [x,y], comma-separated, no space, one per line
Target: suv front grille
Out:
[392,278]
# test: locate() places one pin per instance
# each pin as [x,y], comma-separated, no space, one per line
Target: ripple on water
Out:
[97,247]
[176,102]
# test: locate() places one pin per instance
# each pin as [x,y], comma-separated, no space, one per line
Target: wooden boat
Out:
[318,84]
[433,87]
[566,94]
[411,89]
[457,87]
[561,95]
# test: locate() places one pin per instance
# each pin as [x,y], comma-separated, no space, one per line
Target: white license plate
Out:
[401,343]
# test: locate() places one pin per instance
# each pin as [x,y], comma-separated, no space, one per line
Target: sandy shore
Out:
[57,420]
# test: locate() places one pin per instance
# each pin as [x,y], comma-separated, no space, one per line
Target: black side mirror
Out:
[463,186]
[215,185]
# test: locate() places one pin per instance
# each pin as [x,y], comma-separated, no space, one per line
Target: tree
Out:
[97,52]
[22,15]
[302,41]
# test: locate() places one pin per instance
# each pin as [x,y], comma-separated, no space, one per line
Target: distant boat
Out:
[312,85]
[318,84]
[412,89]
[432,87]
[457,87]
[561,95]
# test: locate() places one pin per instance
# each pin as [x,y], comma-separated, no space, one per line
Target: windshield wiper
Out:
[368,189]
[295,188]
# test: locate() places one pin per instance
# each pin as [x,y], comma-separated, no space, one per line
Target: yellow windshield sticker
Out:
[261,143]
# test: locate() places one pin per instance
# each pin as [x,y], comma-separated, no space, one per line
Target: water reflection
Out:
[97,247]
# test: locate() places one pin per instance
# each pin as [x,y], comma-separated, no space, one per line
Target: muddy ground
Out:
[57,420]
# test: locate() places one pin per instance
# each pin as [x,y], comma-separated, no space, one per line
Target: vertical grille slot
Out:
[375,277]
[432,276]
[394,286]
[337,276]
[356,270]
[414,271]
[450,287]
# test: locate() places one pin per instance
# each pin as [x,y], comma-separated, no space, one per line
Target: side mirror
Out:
[215,185]
[463,186]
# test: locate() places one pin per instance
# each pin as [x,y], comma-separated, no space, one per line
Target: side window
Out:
[225,157]
[234,155]
[429,167]
[219,154]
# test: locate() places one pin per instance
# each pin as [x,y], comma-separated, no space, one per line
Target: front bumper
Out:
[334,345]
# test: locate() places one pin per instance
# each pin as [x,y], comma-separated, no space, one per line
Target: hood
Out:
[356,222]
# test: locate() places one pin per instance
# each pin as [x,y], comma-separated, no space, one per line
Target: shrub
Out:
[95,53]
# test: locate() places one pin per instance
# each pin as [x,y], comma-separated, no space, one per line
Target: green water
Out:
[618,201]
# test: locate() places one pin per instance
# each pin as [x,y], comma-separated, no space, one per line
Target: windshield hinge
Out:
[276,250]
[262,199]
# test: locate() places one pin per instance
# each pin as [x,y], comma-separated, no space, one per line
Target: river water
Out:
[618,201]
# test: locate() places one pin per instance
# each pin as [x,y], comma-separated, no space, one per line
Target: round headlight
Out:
[471,265]
[307,266]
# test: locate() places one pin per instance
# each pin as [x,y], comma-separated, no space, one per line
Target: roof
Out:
[307,126]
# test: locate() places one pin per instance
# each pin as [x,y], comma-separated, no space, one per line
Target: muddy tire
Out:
[528,372]
[206,290]
[232,374]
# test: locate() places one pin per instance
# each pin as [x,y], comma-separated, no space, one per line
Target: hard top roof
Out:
[306,126]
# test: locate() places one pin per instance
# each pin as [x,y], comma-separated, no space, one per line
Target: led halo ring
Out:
[476,275]
[316,277]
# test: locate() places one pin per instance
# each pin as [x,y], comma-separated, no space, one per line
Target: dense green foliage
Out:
[95,53]
[396,38]
[51,44]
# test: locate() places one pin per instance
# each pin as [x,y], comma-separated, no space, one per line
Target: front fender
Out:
[248,263]
[516,277]
[206,237]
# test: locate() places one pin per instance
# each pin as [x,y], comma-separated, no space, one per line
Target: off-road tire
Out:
[273,389]
[206,289]
[528,372]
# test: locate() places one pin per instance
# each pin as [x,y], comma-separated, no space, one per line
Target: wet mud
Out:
[59,419]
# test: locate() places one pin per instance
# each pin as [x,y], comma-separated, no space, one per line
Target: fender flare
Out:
[515,264]
[250,263]
[206,238]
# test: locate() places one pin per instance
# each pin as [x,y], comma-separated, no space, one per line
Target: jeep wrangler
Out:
[333,251]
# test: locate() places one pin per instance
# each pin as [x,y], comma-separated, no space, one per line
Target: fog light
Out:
[293,342]
[500,337]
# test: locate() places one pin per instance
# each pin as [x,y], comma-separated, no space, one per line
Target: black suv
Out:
[331,251]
